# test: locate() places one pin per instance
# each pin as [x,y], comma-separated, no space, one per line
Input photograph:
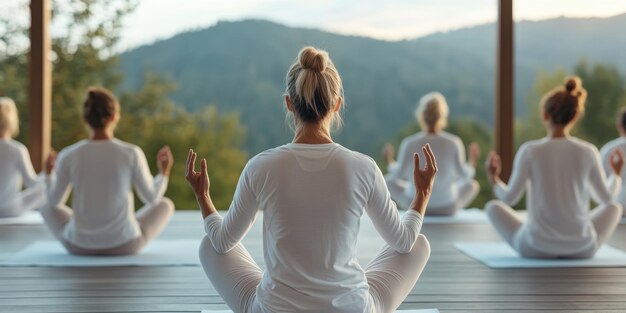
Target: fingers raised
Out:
[416,163]
[191,163]
[203,166]
[431,162]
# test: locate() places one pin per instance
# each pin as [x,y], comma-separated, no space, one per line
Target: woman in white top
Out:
[559,174]
[312,193]
[620,144]
[16,168]
[455,187]
[102,172]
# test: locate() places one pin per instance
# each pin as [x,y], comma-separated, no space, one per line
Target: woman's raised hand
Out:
[616,160]
[474,154]
[494,167]
[165,161]
[199,181]
[423,179]
[200,184]
[51,161]
[388,153]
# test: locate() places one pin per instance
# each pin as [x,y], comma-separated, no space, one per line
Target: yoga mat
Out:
[157,253]
[28,218]
[467,216]
[398,311]
[501,255]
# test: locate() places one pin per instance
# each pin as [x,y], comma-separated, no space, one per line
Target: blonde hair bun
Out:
[573,83]
[313,59]
[314,87]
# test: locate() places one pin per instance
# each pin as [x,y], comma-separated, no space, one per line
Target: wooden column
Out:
[40,80]
[504,87]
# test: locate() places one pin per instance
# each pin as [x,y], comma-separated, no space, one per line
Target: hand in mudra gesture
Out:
[199,181]
[493,166]
[616,160]
[165,160]
[424,178]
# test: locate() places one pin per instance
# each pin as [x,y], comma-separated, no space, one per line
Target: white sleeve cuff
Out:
[211,221]
[413,219]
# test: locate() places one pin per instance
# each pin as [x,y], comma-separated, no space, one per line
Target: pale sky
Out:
[384,19]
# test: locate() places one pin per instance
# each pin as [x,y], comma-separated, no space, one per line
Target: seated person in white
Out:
[455,187]
[606,152]
[559,173]
[102,172]
[16,169]
[313,193]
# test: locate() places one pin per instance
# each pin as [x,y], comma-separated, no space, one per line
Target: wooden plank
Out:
[504,87]
[40,83]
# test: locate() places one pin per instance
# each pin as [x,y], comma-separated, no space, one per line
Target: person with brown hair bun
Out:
[313,193]
[16,168]
[102,172]
[560,174]
[608,150]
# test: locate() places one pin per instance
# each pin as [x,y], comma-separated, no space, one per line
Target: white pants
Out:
[508,223]
[390,275]
[30,199]
[152,220]
[467,192]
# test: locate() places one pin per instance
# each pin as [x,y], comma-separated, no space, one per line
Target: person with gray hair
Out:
[16,169]
[455,187]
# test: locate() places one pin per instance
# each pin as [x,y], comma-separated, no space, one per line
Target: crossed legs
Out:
[507,223]
[27,200]
[468,190]
[391,275]
[152,220]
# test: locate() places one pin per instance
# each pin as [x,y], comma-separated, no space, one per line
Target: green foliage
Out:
[151,118]
[83,57]
[606,90]
[469,130]
[531,126]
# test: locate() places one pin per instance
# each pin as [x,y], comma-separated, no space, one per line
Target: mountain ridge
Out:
[240,66]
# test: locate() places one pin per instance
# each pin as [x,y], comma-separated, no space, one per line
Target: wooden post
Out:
[40,80]
[504,87]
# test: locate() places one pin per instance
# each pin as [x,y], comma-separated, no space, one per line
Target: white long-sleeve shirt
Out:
[605,152]
[312,197]
[559,176]
[450,154]
[16,171]
[102,174]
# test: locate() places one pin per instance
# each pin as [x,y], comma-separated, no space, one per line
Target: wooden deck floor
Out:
[451,282]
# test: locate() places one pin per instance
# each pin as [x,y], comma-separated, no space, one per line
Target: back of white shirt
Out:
[312,197]
[102,174]
[450,154]
[560,175]
[15,169]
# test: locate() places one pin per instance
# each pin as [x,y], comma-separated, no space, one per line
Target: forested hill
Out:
[240,66]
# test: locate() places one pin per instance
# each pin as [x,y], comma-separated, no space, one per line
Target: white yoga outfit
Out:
[312,198]
[16,171]
[618,143]
[454,187]
[559,176]
[102,174]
